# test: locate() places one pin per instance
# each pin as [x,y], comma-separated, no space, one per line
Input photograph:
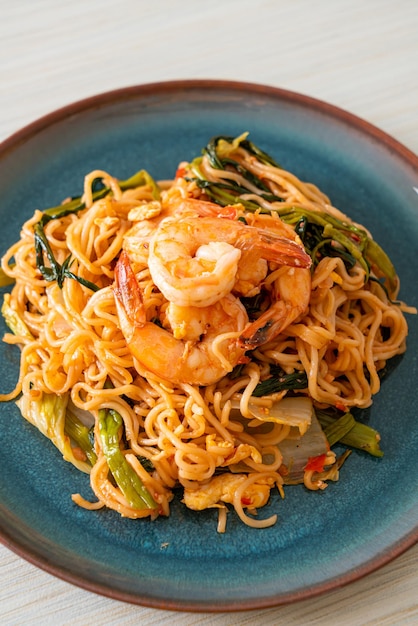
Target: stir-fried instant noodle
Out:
[212,333]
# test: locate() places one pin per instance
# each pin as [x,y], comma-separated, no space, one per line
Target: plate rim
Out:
[19,137]
[133,91]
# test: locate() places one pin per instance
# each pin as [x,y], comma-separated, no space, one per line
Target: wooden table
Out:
[359,55]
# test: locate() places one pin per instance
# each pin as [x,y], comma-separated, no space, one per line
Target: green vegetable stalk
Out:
[348,431]
[80,434]
[110,426]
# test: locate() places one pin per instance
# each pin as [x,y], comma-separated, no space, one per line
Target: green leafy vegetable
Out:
[140,179]
[322,234]
[280,381]
[220,146]
[54,271]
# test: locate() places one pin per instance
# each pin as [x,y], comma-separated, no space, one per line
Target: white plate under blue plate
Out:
[321,540]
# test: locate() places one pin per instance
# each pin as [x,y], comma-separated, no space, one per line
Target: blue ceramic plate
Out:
[322,540]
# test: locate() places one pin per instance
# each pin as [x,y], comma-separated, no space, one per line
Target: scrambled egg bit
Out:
[222,488]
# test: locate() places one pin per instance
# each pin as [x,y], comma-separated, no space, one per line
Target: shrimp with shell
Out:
[290,289]
[201,354]
[290,294]
[194,263]
[174,203]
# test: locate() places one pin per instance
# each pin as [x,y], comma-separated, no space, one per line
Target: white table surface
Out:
[361,55]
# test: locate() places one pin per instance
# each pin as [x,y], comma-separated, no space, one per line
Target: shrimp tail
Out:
[128,297]
[284,251]
[267,326]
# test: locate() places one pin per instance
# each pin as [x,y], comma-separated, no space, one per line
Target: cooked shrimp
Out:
[194,261]
[290,299]
[177,202]
[290,292]
[271,222]
[147,216]
[250,275]
[200,362]
[191,323]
